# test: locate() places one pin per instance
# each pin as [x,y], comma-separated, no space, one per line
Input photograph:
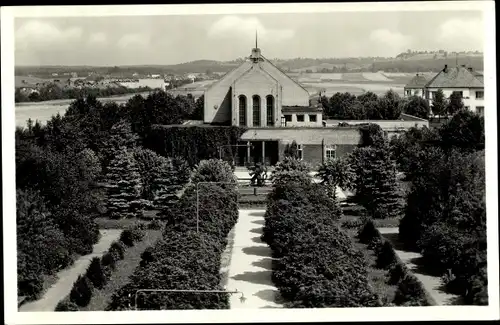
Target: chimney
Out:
[445,68]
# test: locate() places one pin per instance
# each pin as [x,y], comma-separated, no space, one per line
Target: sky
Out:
[139,40]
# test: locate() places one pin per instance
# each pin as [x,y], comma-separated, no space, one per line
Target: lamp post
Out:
[242,298]
[198,200]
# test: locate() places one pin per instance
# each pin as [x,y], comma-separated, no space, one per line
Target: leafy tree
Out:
[390,105]
[439,104]
[417,106]
[339,105]
[335,173]
[123,185]
[455,103]
[372,135]
[465,130]
[36,233]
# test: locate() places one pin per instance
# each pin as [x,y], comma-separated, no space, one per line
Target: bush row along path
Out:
[433,284]
[68,276]
[250,264]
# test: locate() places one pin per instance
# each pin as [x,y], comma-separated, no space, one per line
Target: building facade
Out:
[466,81]
[277,111]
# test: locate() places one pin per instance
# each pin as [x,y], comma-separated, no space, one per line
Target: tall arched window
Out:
[256,110]
[270,110]
[243,110]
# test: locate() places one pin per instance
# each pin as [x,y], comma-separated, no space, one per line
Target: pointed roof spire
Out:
[256,40]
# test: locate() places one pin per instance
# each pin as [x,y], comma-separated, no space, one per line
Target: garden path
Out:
[433,284]
[68,276]
[250,264]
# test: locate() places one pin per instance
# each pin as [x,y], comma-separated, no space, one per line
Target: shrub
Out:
[155,225]
[368,232]
[213,170]
[127,237]
[66,306]
[396,273]
[81,293]
[117,250]
[95,273]
[386,256]
[411,293]
[108,262]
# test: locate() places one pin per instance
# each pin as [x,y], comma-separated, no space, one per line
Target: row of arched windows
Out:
[256,110]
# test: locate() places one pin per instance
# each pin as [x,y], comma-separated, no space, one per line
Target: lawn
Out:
[124,268]
[106,223]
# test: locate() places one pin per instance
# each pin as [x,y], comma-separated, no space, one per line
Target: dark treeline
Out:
[52,92]
[369,106]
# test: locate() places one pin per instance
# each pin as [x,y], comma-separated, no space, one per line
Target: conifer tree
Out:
[165,185]
[124,185]
[375,181]
[121,137]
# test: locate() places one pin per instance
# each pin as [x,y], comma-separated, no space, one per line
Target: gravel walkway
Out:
[251,264]
[68,276]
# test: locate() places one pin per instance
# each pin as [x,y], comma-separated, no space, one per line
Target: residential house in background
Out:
[416,86]
[461,79]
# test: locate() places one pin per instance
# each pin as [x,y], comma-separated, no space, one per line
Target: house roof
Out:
[301,109]
[458,77]
[305,135]
[419,81]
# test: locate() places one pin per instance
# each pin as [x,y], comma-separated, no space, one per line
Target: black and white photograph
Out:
[223,162]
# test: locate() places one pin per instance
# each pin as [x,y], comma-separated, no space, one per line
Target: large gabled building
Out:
[277,110]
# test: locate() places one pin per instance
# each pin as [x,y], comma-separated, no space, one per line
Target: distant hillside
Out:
[409,62]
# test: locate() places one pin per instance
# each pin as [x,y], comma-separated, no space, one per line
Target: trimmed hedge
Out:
[319,266]
[183,258]
[194,143]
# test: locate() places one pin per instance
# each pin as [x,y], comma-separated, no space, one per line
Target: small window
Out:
[300,151]
[312,118]
[330,151]
[467,107]
[300,118]
[288,118]
[479,94]
[461,93]
[480,110]
[408,93]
